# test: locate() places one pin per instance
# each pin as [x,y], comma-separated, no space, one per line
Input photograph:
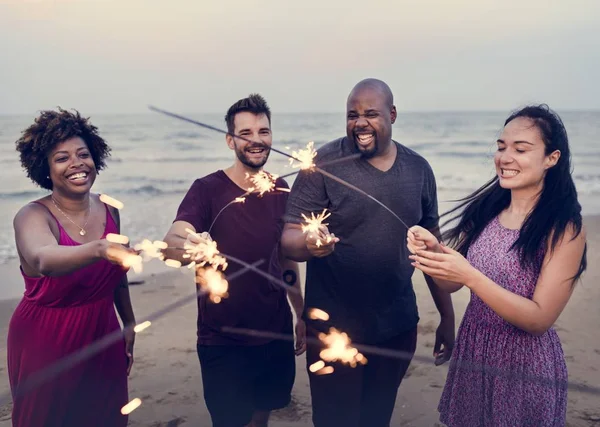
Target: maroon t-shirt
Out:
[249,231]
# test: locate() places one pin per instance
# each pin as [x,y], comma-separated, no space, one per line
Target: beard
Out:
[243,157]
[367,152]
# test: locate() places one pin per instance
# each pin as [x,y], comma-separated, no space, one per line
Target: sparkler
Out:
[111,201]
[313,225]
[131,406]
[318,314]
[140,327]
[240,199]
[263,182]
[117,238]
[355,188]
[50,372]
[305,159]
[337,343]
[213,283]
[339,349]
[402,355]
[149,250]
[202,250]
[132,261]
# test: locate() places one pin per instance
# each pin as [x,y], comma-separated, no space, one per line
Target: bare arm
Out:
[175,239]
[40,250]
[552,292]
[122,298]
[300,247]
[123,303]
[293,243]
[296,299]
[441,296]
[297,303]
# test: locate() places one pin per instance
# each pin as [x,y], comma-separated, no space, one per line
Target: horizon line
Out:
[463,111]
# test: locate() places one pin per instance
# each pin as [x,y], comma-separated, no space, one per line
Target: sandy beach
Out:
[166,374]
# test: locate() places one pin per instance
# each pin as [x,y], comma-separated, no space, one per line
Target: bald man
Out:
[362,278]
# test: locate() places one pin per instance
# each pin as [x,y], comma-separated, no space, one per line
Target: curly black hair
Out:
[50,129]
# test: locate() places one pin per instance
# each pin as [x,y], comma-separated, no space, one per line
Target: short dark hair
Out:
[50,129]
[254,104]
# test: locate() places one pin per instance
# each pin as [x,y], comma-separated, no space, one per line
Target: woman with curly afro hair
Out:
[73,282]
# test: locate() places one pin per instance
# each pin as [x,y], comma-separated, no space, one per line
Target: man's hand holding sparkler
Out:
[320,243]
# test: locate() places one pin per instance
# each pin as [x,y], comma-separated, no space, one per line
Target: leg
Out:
[260,419]
[227,374]
[276,364]
[336,397]
[383,376]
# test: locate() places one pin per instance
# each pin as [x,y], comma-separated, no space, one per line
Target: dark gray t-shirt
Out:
[365,284]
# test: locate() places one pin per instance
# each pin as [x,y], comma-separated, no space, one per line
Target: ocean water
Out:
[156,158]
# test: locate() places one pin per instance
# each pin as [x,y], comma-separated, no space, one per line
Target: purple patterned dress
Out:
[500,375]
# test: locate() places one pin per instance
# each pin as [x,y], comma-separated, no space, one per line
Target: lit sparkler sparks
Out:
[111,201]
[149,250]
[339,348]
[304,159]
[313,225]
[131,406]
[213,283]
[132,261]
[117,238]
[172,263]
[263,182]
[202,250]
[51,371]
[140,327]
[318,314]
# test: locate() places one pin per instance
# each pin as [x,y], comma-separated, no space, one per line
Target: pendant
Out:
[82,232]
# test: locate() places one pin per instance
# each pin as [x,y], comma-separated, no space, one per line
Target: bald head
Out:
[370,114]
[374,85]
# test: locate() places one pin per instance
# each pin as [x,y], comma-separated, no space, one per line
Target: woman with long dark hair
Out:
[519,246]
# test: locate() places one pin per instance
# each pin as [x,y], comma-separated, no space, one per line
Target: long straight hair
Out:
[556,208]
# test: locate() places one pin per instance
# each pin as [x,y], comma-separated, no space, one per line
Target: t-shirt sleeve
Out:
[308,195]
[193,207]
[429,201]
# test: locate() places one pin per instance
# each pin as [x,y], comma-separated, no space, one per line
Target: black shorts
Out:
[239,380]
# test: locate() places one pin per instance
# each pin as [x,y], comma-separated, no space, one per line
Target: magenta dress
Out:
[56,317]
[500,375]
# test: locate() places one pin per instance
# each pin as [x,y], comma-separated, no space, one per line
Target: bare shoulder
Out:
[572,236]
[32,211]
[569,248]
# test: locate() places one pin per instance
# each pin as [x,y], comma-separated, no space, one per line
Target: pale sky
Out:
[103,56]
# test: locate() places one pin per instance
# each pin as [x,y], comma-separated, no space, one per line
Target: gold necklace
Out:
[82,231]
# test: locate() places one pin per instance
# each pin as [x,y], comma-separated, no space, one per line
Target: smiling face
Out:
[72,168]
[521,159]
[369,119]
[256,128]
